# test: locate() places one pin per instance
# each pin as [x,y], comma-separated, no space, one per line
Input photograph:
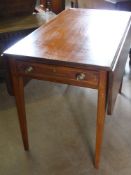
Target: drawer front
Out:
[67,75]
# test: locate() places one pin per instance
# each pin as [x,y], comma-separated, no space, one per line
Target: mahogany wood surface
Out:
[61,74]
[93,42]
[18,85]
[101,110]
[80,47]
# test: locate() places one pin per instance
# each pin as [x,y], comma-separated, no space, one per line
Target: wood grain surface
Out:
[78,36]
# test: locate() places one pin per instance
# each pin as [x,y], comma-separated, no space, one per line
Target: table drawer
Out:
[61,74]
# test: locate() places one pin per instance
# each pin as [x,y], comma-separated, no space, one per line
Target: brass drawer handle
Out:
[80,76]
[29,69]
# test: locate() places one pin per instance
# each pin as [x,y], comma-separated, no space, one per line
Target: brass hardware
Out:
[29,69]
[80,76]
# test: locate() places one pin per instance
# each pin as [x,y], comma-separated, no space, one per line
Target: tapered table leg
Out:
[101,111]
[120,89]
[19,96]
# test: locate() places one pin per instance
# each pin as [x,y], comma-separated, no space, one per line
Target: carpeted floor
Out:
[61,121]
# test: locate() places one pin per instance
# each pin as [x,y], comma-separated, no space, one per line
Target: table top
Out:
[77,37]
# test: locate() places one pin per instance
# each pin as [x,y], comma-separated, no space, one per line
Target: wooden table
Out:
[55,5]
[86,48]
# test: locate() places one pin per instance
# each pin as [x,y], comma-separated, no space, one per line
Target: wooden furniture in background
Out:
[79,47]
[74,3]
[54,5]
[16,21]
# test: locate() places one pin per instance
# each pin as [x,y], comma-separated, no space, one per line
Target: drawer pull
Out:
[29,69]
[80,76]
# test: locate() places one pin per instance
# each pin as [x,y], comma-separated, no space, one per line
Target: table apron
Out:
[59,74]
